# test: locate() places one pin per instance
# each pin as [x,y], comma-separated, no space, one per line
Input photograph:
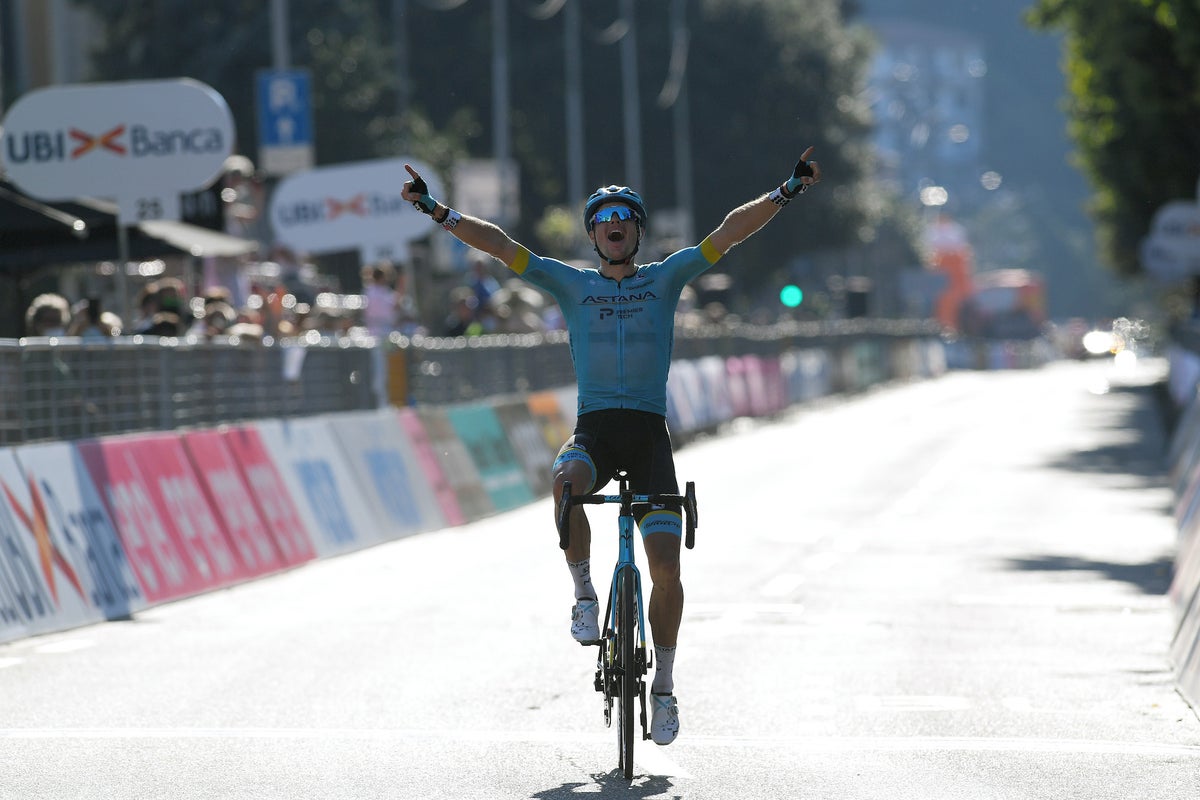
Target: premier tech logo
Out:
[126,141]
[365,205]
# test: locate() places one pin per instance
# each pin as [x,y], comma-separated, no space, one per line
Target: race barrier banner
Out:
[321,485]
[386,467]
[52,518]
[808,374]
[457,464]
[479,429]
[1184,593]
[546,410]
[31,565]
[269,494]
[171,537]
[529,444]
[229,496]
[429,465]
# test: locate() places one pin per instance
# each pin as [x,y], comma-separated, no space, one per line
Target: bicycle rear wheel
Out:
[626,672]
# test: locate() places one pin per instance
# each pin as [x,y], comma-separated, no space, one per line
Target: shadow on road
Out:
[612,784]
[1153,578]
[1140,430]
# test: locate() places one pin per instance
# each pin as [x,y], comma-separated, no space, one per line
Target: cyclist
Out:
[620,317]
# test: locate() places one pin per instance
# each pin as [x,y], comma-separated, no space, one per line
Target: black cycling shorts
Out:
[635,442]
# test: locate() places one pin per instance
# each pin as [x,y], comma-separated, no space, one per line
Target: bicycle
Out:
[623,660]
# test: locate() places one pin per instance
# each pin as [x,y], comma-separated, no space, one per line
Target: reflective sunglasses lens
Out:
[615,212]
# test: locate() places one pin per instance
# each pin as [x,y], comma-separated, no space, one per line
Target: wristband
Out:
[793,187]
[451,219]
[779,198]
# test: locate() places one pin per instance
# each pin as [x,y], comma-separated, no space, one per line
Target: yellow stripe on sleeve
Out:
[711,253]
[521,262]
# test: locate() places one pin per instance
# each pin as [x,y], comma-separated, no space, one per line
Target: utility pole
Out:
[501,149]
[574,86]
[400,44]
[280,51]
[680,121]
[629,81]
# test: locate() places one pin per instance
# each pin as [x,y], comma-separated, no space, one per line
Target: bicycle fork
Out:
[608,679]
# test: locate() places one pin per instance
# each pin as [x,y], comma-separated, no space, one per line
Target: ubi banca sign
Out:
[351,207]
[142,143]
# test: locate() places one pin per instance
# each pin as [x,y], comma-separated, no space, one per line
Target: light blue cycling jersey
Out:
[622,332]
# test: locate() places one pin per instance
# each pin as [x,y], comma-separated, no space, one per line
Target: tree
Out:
[1132,68]
[224,42]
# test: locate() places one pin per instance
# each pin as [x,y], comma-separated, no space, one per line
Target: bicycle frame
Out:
[621,663]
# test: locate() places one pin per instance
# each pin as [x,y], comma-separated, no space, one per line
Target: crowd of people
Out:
[478,304]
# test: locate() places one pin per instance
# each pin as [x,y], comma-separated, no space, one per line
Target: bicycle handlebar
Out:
[686,500]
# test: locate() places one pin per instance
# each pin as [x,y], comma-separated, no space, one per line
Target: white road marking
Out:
[653,759]
[64,646]
[810,744]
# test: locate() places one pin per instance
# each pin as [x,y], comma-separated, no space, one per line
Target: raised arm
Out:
[473,232]
[745,220]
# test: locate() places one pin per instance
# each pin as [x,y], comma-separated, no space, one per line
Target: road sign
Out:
[285,125]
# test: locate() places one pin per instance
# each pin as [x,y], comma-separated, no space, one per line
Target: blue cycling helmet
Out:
[614,194]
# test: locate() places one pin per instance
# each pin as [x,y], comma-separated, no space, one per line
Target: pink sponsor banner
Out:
[270,495]
[411,424]
[150,491]
[739,390]
[229,496]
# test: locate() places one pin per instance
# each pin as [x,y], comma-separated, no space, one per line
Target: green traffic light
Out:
[791,295]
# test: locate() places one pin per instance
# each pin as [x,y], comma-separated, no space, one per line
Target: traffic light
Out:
[791,295]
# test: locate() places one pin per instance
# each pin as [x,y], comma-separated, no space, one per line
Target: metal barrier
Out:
[68,388]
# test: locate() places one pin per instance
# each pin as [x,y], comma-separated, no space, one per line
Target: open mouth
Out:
[616,236]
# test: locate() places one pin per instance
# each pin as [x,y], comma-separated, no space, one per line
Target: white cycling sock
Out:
[581,573]
[664,680]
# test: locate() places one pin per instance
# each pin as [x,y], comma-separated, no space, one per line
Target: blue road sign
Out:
[284,109]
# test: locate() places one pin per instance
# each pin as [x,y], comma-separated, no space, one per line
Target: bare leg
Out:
[579,547]
[666,598]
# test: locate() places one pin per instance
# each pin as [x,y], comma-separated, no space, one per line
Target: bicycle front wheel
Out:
[626,672]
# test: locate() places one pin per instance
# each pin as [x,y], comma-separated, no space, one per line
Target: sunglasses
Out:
[612,214]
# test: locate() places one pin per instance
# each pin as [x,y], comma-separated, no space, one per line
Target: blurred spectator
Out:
[482,283]
[218,318]
[88,321]
[515,308]
[147,301]
[463,319]
[162,303]
[172,297]
[48,315]
[164,323]
[382,299]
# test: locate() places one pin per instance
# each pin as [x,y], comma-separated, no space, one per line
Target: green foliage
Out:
[1132,69]
[559,232]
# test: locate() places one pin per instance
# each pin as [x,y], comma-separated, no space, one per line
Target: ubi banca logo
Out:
[328,209]
[134,141]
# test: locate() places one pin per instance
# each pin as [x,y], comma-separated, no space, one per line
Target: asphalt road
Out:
[951,589]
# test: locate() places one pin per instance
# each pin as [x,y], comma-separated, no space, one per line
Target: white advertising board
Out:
[1172,250]
[141,143]
[352,207]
